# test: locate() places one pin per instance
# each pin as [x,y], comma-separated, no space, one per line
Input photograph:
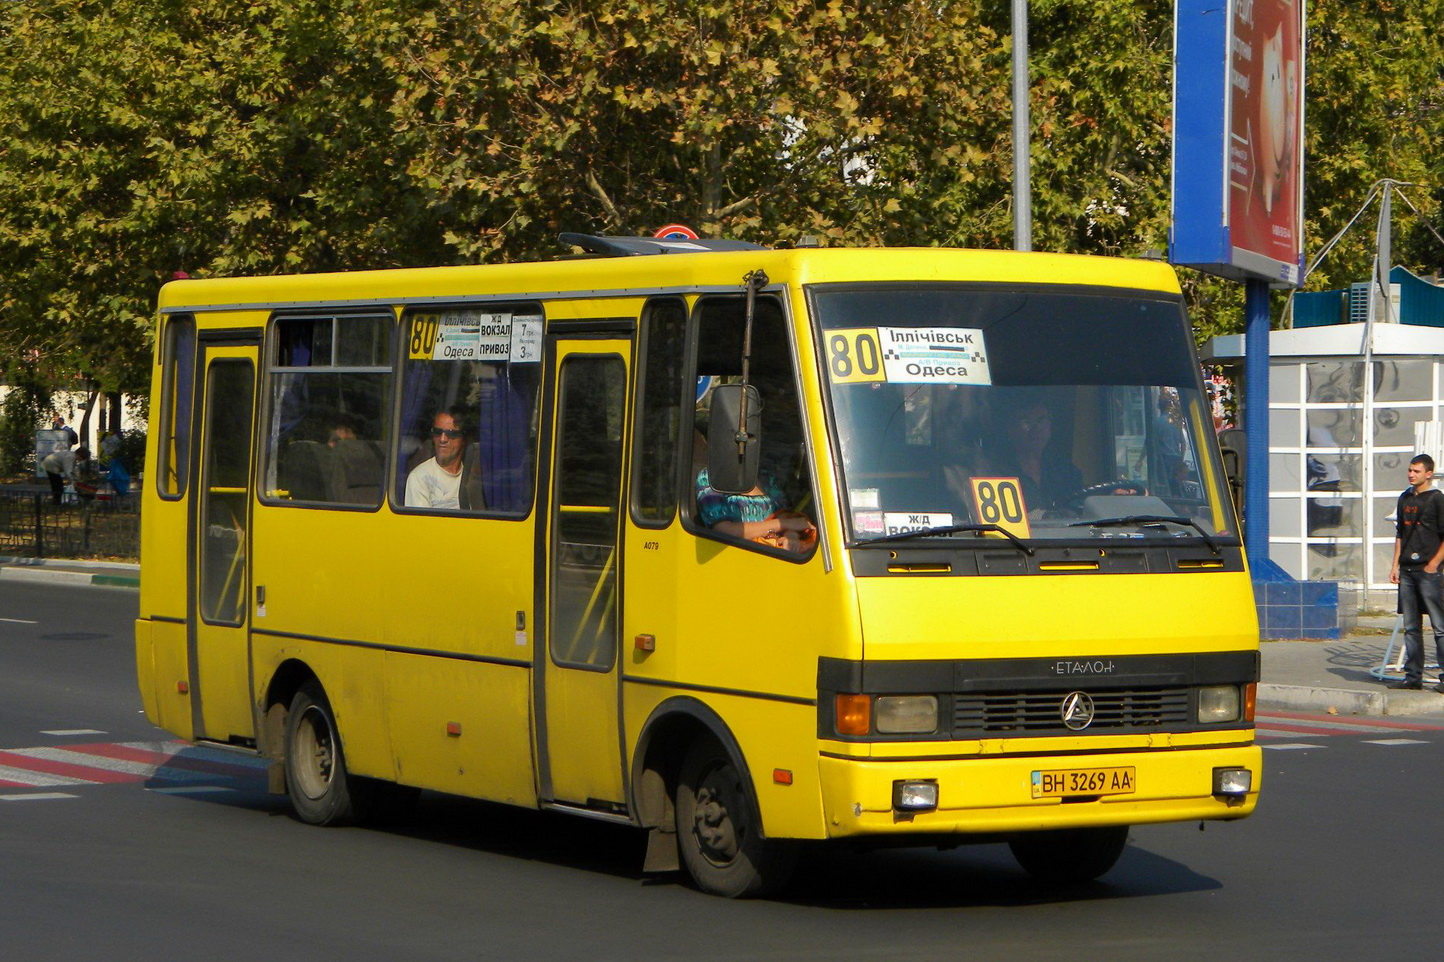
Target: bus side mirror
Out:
[1233,446]
[732,459]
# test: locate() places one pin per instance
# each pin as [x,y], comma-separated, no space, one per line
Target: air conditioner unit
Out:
[1363,308]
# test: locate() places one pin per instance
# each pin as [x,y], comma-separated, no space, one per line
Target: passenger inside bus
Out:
[357,465]
[760,515]
[774,512]
[438,481]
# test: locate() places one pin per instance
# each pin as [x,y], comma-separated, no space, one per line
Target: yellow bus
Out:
[744,547]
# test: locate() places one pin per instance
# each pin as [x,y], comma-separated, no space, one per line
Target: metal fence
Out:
[101,526]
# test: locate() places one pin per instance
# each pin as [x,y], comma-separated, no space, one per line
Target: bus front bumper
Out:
[1001,794]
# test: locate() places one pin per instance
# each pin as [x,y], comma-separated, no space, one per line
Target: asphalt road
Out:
[1339,862]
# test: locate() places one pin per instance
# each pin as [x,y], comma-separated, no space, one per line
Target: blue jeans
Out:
[1419,592]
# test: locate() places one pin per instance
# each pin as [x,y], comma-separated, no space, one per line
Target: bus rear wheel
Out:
[719,831]
[316,779]
[1070,855]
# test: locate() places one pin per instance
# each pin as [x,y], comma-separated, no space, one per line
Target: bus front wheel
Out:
[720,833]
[316,779]
[1069,855]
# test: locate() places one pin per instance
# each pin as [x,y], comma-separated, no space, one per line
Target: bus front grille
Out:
[1117,710]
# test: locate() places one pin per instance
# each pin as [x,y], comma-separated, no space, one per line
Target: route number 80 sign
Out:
[999,501]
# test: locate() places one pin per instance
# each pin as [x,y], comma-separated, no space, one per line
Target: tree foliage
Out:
[144,137]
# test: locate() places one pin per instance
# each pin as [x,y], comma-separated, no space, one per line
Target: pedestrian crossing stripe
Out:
[1293,725]
[172,764]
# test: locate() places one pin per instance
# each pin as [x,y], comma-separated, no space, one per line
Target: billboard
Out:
[1238,110]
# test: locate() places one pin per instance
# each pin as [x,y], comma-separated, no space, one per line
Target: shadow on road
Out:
[829,876]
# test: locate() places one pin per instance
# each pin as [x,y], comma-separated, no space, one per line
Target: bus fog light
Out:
[1232,781]
[1218,703]
[915,796]
[898,714]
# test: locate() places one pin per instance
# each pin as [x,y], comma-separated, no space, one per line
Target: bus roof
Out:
[709,271]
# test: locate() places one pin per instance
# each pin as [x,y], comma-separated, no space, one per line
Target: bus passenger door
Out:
[219,570]
[576,673]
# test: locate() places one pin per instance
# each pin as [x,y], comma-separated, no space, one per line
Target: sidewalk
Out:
[1338,676]
[1302,676]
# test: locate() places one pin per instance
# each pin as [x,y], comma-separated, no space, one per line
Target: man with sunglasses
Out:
[436,482]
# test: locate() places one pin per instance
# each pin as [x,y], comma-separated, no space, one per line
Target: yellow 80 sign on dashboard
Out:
[999,501]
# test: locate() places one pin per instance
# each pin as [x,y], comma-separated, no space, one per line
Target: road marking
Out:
[109,763]
[36,797]
[1327,728]
[1287,746]
[103,763]
[22,778]
[1279,719]
[73,731]
[1395,741]
[33,760]
[19,621]
[1294,725]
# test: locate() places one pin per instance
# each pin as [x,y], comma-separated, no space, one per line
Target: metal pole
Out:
[1256,424]
[1022,141]
[39,528]
[1379,286]
[1384,239]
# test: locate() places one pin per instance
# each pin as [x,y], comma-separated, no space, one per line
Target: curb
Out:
[23,561]
[1346,701]
[38,574]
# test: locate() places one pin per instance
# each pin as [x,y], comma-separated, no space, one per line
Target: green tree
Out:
[863,122]
[24,410]
[1375,109]
[143,137]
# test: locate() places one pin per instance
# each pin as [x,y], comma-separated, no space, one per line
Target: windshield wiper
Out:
[952,529]
[1150,519]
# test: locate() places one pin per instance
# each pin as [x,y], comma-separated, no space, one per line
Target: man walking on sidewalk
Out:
[1418,551]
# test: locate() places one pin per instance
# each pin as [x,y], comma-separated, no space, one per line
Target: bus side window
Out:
[659,420]
[469,387]
[325,434]
[785,483]
[177,390]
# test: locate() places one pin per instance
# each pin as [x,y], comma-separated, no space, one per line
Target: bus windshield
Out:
[1054,414]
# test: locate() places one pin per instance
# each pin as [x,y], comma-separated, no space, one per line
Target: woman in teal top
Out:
[757,515]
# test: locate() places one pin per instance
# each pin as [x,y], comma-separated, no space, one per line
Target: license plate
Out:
[1078,782]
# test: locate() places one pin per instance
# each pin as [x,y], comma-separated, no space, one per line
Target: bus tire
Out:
[1069,855]
[719,832]
[316,781]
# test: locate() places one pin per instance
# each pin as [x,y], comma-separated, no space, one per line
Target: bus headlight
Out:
[1218,703]
[906,714]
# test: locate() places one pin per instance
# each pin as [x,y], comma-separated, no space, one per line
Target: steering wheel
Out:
[1119,486]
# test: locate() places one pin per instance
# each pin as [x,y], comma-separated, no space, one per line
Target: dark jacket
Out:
[1418,526]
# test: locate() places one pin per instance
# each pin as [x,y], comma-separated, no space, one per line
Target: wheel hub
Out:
[713,826]
[315,754]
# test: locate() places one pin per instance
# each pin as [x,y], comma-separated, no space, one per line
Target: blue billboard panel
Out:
[1237,128]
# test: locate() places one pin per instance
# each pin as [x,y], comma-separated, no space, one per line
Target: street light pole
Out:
[1022,178]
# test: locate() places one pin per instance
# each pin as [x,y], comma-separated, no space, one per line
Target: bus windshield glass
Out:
[1055,415]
